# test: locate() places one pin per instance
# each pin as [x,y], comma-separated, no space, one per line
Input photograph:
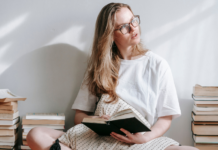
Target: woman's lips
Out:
[135,36]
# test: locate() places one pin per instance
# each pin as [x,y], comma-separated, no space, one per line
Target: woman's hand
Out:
[136,138]
[107,117]
[157,130]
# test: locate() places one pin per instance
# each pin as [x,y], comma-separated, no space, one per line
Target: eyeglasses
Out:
[126,27]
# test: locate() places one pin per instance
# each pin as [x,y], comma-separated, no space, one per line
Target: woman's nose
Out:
[132,28]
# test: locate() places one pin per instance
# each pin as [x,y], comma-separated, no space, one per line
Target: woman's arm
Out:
[79,115]
[157,130]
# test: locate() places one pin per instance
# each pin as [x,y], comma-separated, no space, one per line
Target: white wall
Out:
[44,47]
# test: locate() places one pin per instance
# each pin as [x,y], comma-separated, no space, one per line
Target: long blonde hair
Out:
[103,67]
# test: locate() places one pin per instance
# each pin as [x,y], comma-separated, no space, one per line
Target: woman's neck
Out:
[127,53]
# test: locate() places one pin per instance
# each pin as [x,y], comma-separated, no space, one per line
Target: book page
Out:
[5,93]
[124,116]
[94,120]
[120,113]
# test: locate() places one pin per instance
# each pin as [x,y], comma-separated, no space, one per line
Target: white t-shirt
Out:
[146,83]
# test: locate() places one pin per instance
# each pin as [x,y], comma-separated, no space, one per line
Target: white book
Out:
[205,98]
[8,143]
[15,126]
[30,126]
[204,112]
[205,108]
[9,122]
[46,116]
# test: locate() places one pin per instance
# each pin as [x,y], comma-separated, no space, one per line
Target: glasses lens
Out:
[125,28]
[135,21]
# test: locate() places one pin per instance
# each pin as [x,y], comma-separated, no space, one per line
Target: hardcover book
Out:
[204,117]
[206,91]
[202,146]
[125,119]
[205,98]
[204,129]
[204,112]
[212,139]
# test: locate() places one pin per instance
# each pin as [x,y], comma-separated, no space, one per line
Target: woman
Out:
[120,67]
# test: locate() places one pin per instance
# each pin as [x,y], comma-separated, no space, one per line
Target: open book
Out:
[125,119]
[7,96]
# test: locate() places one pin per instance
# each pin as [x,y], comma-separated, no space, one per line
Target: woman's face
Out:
[123,16]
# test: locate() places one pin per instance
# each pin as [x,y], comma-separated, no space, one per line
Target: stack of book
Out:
[50,120]
[9,119]
[205,117]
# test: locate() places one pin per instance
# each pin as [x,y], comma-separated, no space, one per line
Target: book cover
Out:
[126,119]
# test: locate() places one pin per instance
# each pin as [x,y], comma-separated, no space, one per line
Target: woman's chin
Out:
[136,42]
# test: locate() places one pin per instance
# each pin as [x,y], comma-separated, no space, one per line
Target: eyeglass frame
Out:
[129,24]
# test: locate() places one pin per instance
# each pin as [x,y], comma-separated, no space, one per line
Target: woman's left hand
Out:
[136,138]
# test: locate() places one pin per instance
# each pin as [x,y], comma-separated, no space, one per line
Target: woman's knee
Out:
[34,134]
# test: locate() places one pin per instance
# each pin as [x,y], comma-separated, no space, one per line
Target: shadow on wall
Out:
[49,77]
[181,127]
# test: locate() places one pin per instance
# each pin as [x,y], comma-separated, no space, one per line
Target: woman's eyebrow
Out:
[124,23]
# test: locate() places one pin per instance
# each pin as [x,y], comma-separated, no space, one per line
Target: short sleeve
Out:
[85,100]
[168,103]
